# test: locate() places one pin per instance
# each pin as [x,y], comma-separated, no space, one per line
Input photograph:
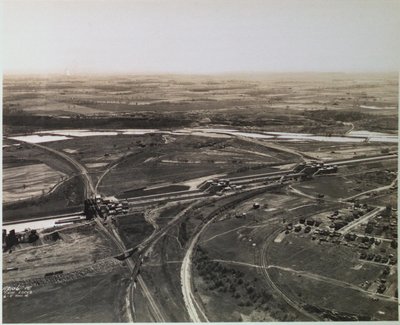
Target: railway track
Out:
[264,269]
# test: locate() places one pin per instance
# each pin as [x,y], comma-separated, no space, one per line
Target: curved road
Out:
[87,180]
[186,282]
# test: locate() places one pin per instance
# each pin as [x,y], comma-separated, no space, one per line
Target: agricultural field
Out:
[278,102]
[26,182]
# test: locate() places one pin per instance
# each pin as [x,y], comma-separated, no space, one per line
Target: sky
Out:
[200,37]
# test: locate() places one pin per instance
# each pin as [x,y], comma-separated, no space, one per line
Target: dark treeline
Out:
[337,115]
[49,122]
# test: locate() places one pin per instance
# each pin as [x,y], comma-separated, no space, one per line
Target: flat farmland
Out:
[318,103]
[26,182]
[51,185]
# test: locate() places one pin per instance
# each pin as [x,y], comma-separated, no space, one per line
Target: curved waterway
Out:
[353,136]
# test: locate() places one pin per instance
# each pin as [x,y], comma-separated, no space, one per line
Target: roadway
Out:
[194,310]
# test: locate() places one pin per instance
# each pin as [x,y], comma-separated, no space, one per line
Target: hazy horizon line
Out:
[161,73]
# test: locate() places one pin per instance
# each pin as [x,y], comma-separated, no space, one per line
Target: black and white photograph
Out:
[200,161]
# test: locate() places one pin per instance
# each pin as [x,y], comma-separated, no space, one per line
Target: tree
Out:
[11,239]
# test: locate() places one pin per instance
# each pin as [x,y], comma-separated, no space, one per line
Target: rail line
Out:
[264,269]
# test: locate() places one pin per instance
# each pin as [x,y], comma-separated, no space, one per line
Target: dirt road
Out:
[191,304]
